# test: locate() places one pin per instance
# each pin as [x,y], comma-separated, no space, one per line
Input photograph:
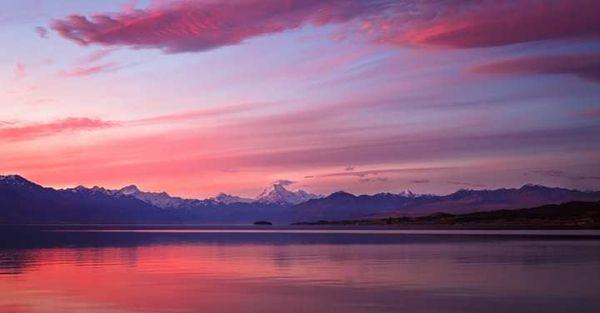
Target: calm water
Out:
[248,270]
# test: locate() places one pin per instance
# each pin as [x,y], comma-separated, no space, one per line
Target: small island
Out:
[263,223]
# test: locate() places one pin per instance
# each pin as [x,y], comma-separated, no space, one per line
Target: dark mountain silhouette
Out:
[342,205]
[24,202]
[574,214]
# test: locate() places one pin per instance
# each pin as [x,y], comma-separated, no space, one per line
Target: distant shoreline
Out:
[570,215]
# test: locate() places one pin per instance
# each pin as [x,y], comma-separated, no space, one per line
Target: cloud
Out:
[230,170]
[222,110]
[32,131]
[467,184]
[186,26]
[556,173]
[98,55]
[586,66]
[387,171]
[42,32]
[373,180]
[198,26]
[585,177]
[471,24]
[590,113]
[91,70]
[20,71]
[552,173]
[284,182]
[420,181]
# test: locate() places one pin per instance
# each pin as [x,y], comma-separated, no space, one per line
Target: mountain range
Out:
[25,202]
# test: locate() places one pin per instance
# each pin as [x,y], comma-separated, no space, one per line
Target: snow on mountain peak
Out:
[129,190]
[407,193]
[159,199]
[229,199]
[278,194]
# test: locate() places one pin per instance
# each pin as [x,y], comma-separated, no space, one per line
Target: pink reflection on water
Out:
[214,277]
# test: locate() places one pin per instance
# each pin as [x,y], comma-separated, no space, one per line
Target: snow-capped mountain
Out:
[160,199]
[277,194]
[403,194]
[22,201]
[229,199]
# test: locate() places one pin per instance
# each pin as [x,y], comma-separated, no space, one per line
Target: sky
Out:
[208,96]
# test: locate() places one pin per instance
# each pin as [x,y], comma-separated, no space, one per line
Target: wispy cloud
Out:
[223,110]
[32,131]
[20,71]
[98,55]
[27,131]
[386,171]
[80,71]
[589,113]
[42,32]
[373,180]
[284,182]
[470,24]
[466,184]
[586,66]
[561,174]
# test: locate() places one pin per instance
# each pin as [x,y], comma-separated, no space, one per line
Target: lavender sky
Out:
[199,97]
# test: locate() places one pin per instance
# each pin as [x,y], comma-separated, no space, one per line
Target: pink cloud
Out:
[197,26]
[590,113]
[20,71]
[363,174]
[16,131]
[200,113]
[586,66]
[98,55]
[469,24]
[91,70]
[42,32]
[32,131]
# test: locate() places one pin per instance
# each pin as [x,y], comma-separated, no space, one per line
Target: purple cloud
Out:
[197,26]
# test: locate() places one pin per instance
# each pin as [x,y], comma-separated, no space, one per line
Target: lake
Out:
[241,269]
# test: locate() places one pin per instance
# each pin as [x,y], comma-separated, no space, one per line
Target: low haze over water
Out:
[252,270]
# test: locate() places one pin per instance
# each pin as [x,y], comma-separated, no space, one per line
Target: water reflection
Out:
[297,272]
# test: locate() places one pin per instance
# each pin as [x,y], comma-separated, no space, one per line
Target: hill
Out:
[577,214]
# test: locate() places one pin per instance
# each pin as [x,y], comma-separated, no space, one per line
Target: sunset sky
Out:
[208,96]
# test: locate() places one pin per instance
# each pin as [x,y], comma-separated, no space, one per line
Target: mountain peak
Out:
[15,180]
[407,193]
[533,186]
[278,194]
[129,190]
[229,199]
[341,194]
[12,178]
